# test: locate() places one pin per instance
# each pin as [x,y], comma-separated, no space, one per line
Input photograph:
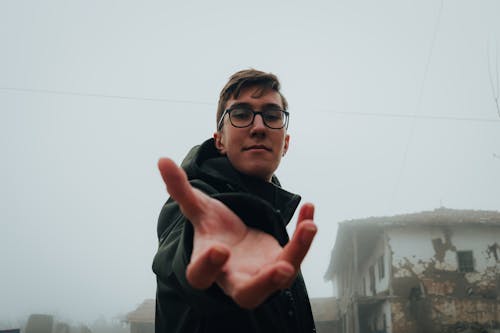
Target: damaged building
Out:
[433,271]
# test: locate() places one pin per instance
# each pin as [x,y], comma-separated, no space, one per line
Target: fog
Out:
[394,109]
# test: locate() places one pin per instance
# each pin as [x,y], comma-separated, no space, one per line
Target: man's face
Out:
[255,150]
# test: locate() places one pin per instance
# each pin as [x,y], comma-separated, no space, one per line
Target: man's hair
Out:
[248,78]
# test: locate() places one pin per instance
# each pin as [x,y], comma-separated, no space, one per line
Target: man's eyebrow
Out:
[247,105]
[241,104]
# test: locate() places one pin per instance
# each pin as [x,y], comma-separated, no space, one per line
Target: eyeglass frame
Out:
[228,112]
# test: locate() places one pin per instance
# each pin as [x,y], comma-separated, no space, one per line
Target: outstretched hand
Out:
[248,264]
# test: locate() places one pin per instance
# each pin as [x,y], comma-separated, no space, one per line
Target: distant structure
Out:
[325,313]
[142,319]
[45,323]
[433,271]
[39,323]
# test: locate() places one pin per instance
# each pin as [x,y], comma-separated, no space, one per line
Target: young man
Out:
[225,262]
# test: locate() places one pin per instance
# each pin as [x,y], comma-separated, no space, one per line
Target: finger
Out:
[179,188]
[255,291]
[204,269]
[306,212]
[295,251]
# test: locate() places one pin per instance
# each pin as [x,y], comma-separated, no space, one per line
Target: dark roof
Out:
[145,313]
[374,225]
[439,216]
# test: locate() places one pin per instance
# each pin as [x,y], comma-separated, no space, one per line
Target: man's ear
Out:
[218,142]
[287,142]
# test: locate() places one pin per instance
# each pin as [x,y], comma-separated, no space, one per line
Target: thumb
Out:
[179,188]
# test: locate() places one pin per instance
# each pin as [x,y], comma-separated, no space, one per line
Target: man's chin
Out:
[258,171]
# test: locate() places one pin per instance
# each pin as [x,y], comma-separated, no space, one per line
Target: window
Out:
[381,267]
[372,279]
[465,261]
[364,286]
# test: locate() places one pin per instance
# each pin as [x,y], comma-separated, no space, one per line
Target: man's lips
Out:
[257,147]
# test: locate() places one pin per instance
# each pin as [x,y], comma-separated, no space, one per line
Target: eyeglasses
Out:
[242,116]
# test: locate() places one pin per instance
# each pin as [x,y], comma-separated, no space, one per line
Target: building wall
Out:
[344,285]
[426,258]
[429,292]
[378,319]
[142,327]
[335,283]
[381,284]
[441,243]
[326,327]
[387,312]
[349,286]
[436,314]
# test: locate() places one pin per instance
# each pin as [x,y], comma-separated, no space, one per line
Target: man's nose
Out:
[258,122]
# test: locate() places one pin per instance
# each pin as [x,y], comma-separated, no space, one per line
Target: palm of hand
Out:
[250,256]
[251,252]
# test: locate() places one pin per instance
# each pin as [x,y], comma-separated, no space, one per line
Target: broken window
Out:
[465,261]
[381,267]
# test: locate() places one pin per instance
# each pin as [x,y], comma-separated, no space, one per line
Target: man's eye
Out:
[272,115]
[241,114]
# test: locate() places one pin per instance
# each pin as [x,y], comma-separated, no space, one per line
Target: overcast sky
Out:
[392,111]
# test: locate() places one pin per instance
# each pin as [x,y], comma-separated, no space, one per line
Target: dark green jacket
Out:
[261,205]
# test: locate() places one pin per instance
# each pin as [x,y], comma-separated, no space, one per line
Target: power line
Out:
[412,116]
[171,100]
[420,98]
[495,84]
[80,94]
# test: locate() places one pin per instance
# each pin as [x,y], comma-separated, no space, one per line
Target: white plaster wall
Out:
[381,285]
[335,287]
[414,245]
[386,310]
[342,282]
[478,240]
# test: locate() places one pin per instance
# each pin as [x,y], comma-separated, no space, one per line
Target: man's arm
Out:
[248,264]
